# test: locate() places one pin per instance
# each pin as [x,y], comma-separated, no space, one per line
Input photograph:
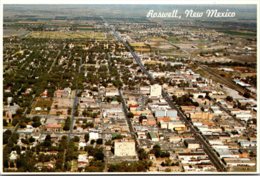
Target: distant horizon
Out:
[120,10]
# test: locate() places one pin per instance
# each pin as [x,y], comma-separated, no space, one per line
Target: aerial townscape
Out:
[103,88]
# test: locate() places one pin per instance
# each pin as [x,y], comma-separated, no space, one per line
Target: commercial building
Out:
[156,90]
[125,148]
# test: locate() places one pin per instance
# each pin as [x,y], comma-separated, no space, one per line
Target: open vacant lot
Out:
[41,106]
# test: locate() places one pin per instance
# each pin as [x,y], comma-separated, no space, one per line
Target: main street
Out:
[206,146]
[75,103]
[202,140]
[131,129]
[124,106]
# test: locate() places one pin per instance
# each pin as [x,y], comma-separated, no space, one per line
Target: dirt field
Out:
[43,103]
[244,58]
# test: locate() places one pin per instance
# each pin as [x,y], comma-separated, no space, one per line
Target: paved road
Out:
[127,119]
[75,103]
[229,113]
[206,146]
[54,61]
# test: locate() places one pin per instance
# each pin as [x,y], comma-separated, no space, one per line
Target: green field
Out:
[240,33]
[67,35]
[173,39]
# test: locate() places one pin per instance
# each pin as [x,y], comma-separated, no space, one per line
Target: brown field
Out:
[140,46]
[44,103]
[244,58]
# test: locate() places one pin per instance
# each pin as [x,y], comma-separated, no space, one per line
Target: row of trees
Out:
[138,166]
[184,100]
[159,153]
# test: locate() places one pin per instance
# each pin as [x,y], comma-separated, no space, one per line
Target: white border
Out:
[130,2]
[192,2]
[1,85]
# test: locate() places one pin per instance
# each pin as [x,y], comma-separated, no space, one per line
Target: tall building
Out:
[125,148]
[156,90]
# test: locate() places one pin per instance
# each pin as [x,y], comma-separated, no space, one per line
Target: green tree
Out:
[142,154]
[99,155]
[36,124]
[23,125]
[5,122]
[6,135]
[31,139]
[26,162]
[84,113]
[130,115]
[86,137]
[95,166]
[67,124]
[100,141]
[15,121]
[76,139]
[36,118]
[246,95]
[47,142]
[72,151]
[229,98]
